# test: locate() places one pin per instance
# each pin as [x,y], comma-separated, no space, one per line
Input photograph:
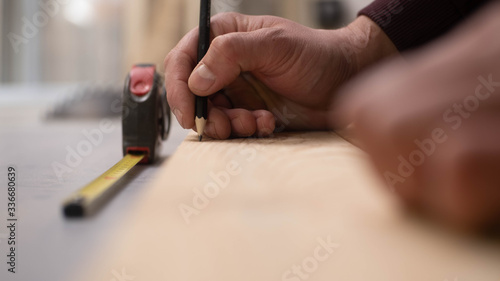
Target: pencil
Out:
[203,45]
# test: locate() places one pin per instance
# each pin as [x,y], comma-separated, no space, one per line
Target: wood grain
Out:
[285,196]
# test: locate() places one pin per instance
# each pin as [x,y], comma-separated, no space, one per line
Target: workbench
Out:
[297,206]
[50,247]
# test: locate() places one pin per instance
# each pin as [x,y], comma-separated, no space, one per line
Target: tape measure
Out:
[145,124]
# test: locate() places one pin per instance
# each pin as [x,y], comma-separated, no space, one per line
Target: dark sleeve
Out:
[412,23]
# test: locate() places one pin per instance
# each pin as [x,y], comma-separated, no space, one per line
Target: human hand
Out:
[431,124]
[274,72]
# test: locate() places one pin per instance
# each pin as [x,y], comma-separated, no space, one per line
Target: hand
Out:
[273,73]
[431,124]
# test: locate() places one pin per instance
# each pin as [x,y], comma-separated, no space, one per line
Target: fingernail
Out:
[178,115]
[202,78]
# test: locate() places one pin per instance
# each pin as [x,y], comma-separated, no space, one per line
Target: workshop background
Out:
[103,38]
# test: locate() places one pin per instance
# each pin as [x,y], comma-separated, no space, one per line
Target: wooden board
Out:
[299,206]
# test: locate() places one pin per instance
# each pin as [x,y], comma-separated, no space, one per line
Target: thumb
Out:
[228,56]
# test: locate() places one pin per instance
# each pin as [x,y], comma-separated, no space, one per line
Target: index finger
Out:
[181,61]
[179,64]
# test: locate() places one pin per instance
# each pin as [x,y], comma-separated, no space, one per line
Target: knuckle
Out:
[168,61]
[174,97]
[225,16]
[171,99]
[276,36]
[170,92]
[224,21]
[224,46]
[221,43]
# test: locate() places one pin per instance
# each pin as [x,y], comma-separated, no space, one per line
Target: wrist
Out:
[368,43]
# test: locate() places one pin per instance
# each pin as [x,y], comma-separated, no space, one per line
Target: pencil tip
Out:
[200,126]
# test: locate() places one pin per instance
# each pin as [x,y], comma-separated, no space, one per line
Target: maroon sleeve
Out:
[412,23]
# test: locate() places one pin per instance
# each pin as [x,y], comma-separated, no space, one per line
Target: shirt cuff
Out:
[412,23]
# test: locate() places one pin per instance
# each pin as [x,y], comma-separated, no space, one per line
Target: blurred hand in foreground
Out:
[432,123]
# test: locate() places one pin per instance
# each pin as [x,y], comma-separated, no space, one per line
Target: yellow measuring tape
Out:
[88,199]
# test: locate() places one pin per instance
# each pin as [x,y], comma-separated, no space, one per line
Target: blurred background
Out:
[97,41]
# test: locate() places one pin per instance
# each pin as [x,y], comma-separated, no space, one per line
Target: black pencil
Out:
[201,109]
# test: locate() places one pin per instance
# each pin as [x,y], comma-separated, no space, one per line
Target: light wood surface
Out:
[288,195]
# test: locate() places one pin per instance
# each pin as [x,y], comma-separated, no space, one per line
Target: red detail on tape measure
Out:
[145,150]
[141,80]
